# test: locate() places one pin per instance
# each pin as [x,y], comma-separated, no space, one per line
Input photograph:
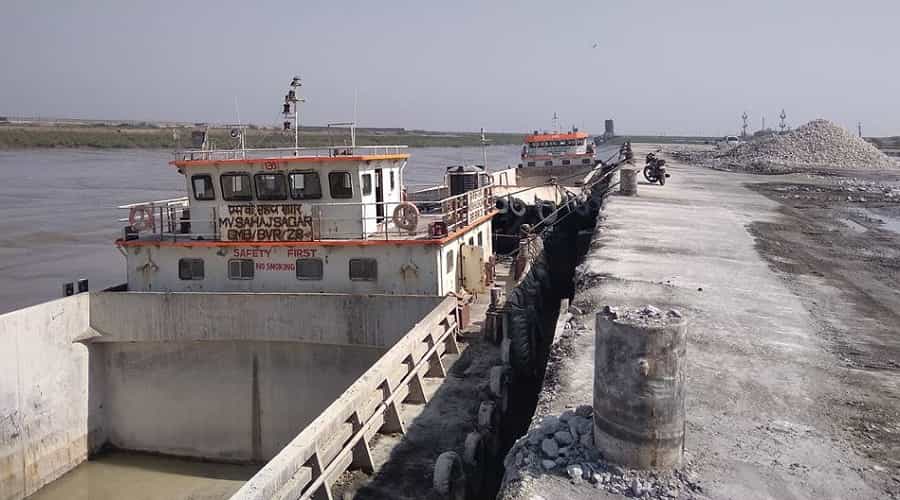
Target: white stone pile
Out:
[819,143]
[564,445]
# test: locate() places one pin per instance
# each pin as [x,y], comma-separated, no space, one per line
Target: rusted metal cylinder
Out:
[639,387]
[628,182]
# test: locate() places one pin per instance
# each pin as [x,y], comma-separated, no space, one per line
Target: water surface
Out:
[133,476]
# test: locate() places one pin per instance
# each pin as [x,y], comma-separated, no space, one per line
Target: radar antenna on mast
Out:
[292,101]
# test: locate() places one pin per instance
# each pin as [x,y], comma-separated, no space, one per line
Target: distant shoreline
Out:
[18,137]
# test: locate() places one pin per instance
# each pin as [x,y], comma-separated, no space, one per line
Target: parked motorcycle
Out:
[655,170]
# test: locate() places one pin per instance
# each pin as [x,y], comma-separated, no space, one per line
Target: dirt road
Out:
[838,249]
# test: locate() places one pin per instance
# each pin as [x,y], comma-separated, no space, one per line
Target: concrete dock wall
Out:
[47,398]
[374,320]
[230,400]
[231,377]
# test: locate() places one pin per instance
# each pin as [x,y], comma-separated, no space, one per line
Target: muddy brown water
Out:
[118,475]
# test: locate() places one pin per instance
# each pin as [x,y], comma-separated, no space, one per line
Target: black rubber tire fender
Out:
[488,416]
[517,207]
[583,208]
[521,349]
[499,385]
[475,461]
[542,276]
[546,211]
[502,205]
[449,478]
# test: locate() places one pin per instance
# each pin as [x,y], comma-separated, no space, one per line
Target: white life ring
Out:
[141,218]
[406,216]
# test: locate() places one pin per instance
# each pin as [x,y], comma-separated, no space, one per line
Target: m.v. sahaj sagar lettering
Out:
[285,222]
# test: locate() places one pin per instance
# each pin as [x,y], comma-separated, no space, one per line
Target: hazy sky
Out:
[662,66]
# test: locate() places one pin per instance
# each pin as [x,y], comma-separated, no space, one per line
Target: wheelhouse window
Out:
[203,187]
[340,184]
[236,187]
[190,269]
[548,163]
[480,239]
[392,180]
[270,187]
[566,162]
[305,185]
[310,269]
[363,269]
[586,161]
[531,164]
[240,269]
[451,261]
[366,184]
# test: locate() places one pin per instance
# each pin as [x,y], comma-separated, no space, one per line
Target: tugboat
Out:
[554,170]
[556,154]
[303,219]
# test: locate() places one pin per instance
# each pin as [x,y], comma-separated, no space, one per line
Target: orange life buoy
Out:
[406,216]
[141,218]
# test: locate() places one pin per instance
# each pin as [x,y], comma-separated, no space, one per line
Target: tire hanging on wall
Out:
[449,479]
[517,207]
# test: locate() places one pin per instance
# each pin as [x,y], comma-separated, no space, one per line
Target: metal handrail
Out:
[456,211]
[168,202]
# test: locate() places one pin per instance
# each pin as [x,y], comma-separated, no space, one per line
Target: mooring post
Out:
[495,297]
[628,182]
[639,387]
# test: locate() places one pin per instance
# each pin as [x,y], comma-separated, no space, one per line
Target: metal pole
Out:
[296,128]
[483,149]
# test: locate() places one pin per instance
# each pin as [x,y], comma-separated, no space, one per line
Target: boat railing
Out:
[264,153]
[173,219]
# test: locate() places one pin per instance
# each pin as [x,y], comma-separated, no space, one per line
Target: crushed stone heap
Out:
[563,445]
[819,143]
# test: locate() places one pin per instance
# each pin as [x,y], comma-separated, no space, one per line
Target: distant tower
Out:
[744,126]
[859,128]
[763,124]
[609,129]
[555,122]
[783,117]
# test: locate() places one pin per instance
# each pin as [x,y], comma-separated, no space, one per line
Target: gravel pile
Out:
[564,445]
[819,143]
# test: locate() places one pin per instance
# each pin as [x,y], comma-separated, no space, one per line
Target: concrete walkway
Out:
[761,383]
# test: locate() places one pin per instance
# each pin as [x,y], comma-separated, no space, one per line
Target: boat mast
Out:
[484,143]
[293,100]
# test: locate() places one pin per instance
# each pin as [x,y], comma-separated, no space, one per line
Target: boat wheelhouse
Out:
[307,220]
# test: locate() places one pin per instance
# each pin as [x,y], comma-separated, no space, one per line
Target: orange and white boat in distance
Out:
[549,161]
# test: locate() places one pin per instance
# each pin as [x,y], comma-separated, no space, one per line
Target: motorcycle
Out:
[655,170]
